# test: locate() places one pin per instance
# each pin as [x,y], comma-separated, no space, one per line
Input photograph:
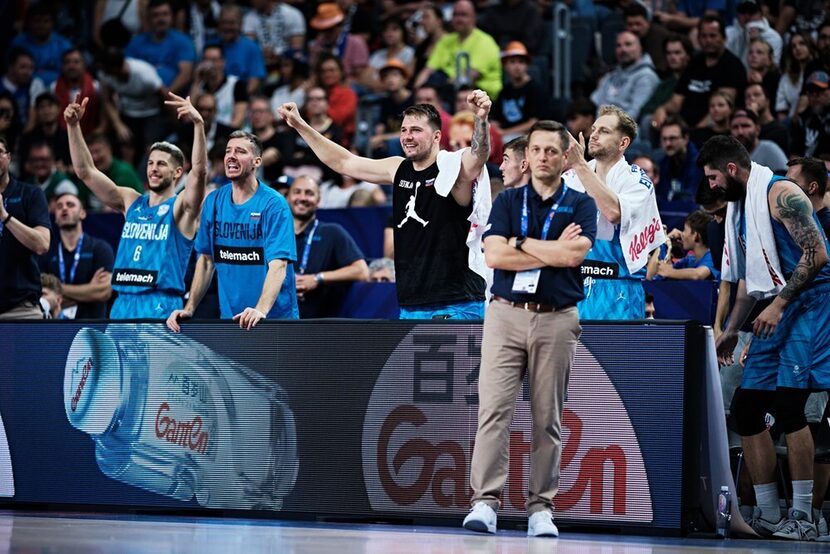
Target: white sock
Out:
[803,497]
[766,496]
[817,514]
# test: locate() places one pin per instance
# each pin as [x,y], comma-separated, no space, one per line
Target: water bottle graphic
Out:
[169,415]
[724,512]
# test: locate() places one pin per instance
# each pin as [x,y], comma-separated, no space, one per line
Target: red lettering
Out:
[187,434]
[81,384]
[643,239]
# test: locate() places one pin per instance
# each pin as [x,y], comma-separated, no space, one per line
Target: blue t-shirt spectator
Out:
[243,58]
[47,55]
[165,55]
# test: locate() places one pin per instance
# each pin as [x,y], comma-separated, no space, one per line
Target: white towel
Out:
[759,265]
[449,166]
[641,229]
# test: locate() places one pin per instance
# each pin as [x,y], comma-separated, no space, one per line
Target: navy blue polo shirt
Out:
[331,248]
[559,286]
[19,272]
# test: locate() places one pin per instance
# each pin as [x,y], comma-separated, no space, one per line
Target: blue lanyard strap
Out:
[76,259]
[548,218]
[307,248]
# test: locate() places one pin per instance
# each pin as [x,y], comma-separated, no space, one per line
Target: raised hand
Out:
[576,150]
[479,103]
[75,110]
[185,110]
[291,114]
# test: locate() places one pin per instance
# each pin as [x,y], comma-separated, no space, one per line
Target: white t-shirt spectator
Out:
[273,31]
[139,95]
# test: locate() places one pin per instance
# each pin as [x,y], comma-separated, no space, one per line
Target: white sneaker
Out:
[481,519]
[764,528]
[540,524]
[821,527]
[797,528]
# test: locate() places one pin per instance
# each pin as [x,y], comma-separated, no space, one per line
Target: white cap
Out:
[92,382]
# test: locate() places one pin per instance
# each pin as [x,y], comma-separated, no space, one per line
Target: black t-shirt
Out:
[331,248]
[431,254]
[302,154]
[95,254]
[517,105]
[282,142]
[698,83]
[19,272]
[391,110]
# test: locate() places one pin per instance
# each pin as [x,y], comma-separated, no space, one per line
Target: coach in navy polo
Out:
[538,236]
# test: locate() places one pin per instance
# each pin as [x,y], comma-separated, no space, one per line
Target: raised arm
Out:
[607,200]
[335,156]
[117,198]
[474,158]
[188,206]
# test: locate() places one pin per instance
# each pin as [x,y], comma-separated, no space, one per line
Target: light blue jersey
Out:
[151,259]
[611,291]
[242,239]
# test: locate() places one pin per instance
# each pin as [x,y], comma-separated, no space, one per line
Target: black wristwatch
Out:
[520,240]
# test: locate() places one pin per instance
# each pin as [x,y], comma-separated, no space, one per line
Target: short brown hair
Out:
[428,112]
[49,281]
[250,137]
[551,127]
[625,123]
[698,222]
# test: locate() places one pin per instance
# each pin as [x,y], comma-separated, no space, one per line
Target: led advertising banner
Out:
[360,419]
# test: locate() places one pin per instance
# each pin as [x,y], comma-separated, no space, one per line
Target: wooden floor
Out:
[42,532]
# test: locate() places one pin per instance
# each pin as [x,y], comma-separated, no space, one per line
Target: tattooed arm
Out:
[476,155]
[789,205]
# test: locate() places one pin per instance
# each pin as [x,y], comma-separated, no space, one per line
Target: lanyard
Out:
[307,249]
[548,218]
[62,265]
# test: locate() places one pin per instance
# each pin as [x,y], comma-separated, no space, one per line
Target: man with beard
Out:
[246,238]
[631,83]
[435,279]
[788,355]
[746,129]
[81,262]
[160,226]
[327,257]
[615,266]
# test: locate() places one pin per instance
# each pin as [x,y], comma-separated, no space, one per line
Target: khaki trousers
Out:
[25,310]
[544,344]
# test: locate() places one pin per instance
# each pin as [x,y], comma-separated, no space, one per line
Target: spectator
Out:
[45,45]
[427,30]
[514,20]
[20,82]
[203,23]
[243,58]
[51,298]
[74,79]
[348,48]
[652,35]
[385,141]
[229,91]
[170,51]
[799,53]
[428,94]
[382,270]
[395,48]
[81,262]
[756,99]
[248,292]
[462,116]
[751,24]
[117,170]
[152,257]
[274,145]
[580,117]
[811,176]
[293,76]
[130,14]
[721,106]
[698,264]
[9,124]
[687,16]
[303,160]
[41,169]
[484,63]
[132,103]
[276,26]
[342,100]
[712,69]
[810,130]
[327,257]
[515,170]
[762,69]
[678,51]
[631,83]
[521,102]
[678,172]
[650,310]
[24,235]
[46,128]
[340,192]
[651,169]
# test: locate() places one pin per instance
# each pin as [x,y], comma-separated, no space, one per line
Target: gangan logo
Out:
[421,423]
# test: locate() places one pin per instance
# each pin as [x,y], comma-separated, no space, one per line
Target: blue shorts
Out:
[613,299]
[147,305]
[797,354]
[460,310]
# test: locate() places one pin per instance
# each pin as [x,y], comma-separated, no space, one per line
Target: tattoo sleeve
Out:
[796,213]
[480,145]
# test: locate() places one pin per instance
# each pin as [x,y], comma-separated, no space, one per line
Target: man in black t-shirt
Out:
[24,235]
[82,262]
[521,101]
[434,275]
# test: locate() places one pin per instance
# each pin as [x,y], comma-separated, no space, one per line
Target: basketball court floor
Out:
[49,532]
